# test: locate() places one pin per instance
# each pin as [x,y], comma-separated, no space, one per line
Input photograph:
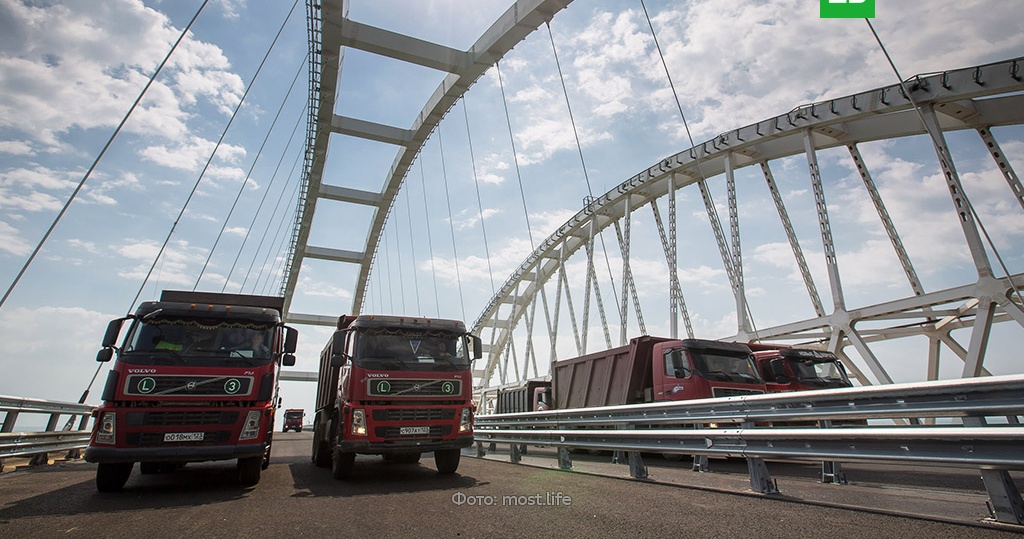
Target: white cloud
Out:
[11,240]
[16,147]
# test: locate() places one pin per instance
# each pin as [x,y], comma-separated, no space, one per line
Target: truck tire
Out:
[447,460]
[249,469]
[321,448]
[342,464]
[111,476]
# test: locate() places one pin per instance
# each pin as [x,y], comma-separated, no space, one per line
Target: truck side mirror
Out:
[291,339]
[675,364]
[113,330]
[105,355]
[338,357]
[779,371]
[478,347]
[288,360]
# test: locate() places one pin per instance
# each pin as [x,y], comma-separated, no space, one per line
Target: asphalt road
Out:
[487,498]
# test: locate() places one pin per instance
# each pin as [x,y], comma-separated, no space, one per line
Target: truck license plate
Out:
[183,436]
[414,430]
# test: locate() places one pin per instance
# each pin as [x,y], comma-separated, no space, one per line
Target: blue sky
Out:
[70,70]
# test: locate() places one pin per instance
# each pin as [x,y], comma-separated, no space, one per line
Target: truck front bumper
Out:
[172,454]
[403,446]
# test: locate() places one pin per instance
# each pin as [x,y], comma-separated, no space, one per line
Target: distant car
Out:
[293,419]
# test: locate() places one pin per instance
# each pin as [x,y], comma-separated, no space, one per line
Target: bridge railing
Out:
[56,436]
[973,423]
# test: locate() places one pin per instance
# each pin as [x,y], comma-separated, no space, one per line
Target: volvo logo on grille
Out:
[416,388]
[191,385]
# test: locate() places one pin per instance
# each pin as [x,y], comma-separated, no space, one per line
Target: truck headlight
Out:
[106,431]
[466,423]
[359,422]
[251,429]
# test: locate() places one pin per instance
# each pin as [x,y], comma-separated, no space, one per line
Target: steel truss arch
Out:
[960,101]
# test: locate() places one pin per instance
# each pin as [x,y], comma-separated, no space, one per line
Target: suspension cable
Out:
[280,226]
[96,162]
[430,241]
[278,236]
[245,181]
[270,184]
[943,158]
[479,203]
[694,154]
[583,163]
[209,160]
[451,221]
[412,247]
[515,158]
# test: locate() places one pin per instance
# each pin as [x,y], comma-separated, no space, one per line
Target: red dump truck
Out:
[652,369]
[785,368]
[397,387]
[195,379]
[293,419]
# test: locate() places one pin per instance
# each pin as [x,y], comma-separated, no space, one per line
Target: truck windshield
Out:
[188,340]
[293,415]
[726,367]
[820,373]
[392,349]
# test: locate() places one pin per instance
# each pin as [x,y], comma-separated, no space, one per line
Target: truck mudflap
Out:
[172,454]
[403,446]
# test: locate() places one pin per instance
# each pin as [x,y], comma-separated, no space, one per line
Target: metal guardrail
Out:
[973,423]
[37,444]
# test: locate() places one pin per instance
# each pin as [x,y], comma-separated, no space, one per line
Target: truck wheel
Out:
[111,476]
[447,460]
[249,470]
[342,463]
[321,449]
[298,429]
[265,462]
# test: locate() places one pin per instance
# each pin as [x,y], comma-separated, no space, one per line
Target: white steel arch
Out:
[953,100]
[976,98]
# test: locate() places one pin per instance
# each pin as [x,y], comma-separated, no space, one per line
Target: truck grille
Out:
[181,418]
[404,387]
[733,392]
[413,414]
[145,385]
[156,439]
[394,432]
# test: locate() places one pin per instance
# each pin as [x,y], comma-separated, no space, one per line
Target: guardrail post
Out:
[82,424]
[700,463]
[8,426]
[831,470]
[1005,503]
[760,479]
[480,451]
[637,469]
[40,459]
[513,453]
[564,461]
